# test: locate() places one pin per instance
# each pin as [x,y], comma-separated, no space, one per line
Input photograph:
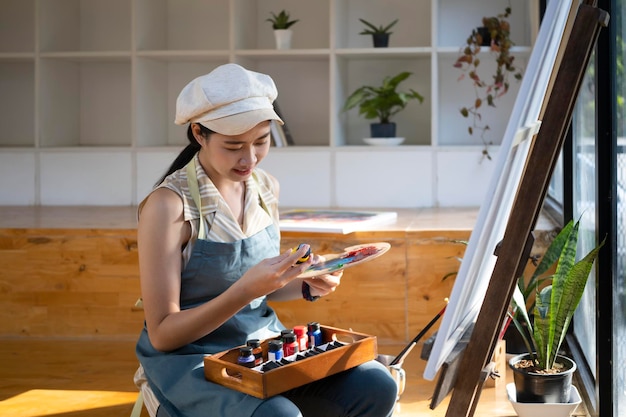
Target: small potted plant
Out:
[495,33]
[382,103]
[281,23]
[542,374]
[380,34]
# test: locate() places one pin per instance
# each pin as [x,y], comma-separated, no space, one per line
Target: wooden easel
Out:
[514,248]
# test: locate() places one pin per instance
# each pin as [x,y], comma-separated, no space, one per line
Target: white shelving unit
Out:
[88,89]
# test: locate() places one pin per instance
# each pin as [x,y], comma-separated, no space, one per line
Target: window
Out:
[595,190]
[584,206]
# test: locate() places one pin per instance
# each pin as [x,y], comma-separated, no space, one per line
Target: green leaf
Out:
[519,304]
[570,283]
[541,329]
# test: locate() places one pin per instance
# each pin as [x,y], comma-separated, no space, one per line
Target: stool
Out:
[138,406]
[146,398]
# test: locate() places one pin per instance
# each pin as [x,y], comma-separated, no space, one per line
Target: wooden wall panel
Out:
[431,256]
[69,283]
[84,282]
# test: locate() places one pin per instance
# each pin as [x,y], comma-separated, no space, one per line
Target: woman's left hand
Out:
[324,284]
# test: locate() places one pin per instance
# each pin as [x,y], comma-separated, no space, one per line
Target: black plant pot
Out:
[485,34]
[533,387]
[381,40]
[383,130]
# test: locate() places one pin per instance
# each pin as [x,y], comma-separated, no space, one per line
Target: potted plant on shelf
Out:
[542,375]
[494,33]
[281,24]
[382,103]
[380,34]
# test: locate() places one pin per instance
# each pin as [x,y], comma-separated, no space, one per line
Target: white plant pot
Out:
[543,409]
[283,38]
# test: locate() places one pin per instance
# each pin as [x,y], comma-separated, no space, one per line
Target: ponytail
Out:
[188,153]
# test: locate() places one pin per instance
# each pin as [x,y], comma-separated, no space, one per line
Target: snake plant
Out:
[556,302]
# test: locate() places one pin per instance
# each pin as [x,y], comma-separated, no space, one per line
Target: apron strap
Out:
[192,183]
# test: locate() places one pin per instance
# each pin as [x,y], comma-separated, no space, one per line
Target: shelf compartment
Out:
[413,123]
[84,25]
[455,93]
[253,31]
[17,103]
[294,166]
[17,178]
[303,95]
[457,18]
[84,103]
[17,26]
[151,165]
[412,30]
[158,83]
[391,172]
[182,25]
[69,177]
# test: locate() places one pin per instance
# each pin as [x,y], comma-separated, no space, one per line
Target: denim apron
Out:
[177,377]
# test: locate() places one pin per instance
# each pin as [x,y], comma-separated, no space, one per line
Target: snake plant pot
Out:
[283,38]
[383,130]
[537,387]
[381,40]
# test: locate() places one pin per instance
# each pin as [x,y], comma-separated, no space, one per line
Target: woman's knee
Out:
[373,383]
[373,376]
[277,406]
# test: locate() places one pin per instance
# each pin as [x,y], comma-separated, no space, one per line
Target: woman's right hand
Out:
[272,274]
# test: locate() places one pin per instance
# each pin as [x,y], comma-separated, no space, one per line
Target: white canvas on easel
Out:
[478,261]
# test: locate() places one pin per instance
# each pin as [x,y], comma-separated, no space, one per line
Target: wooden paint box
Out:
[348,349]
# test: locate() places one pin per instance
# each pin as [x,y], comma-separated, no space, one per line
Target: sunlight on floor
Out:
[40,403]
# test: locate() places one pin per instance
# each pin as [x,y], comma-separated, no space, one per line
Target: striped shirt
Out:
[260,207]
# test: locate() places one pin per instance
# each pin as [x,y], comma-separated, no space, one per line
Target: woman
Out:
[209,260]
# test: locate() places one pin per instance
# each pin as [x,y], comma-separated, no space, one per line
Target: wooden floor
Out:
[77,378]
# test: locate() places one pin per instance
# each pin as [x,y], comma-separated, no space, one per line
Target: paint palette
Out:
[352,256]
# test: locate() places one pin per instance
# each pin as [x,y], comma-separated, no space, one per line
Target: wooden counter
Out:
[85,217]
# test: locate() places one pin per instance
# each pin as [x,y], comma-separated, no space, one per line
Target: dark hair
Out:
[188,153]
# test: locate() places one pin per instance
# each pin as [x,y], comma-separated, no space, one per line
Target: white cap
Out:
[229,100]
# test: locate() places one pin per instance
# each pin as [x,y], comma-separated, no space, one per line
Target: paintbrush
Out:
[398,359]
